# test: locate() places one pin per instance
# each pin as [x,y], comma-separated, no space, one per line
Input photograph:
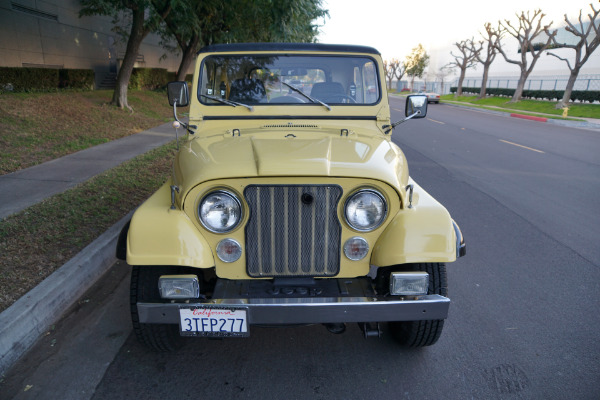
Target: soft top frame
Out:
[241,47]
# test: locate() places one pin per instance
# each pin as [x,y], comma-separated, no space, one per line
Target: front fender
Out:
[422,233]
[161,236]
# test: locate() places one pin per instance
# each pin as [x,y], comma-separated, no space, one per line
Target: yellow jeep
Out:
[289,204]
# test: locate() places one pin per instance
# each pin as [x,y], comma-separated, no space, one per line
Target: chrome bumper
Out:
[352,305]
[314,310]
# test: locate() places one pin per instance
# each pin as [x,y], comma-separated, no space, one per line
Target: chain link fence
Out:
[584,82]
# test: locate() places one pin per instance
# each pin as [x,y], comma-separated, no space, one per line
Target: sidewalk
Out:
[24,322]
[21,189]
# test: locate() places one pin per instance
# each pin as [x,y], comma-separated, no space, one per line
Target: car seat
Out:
[328,91]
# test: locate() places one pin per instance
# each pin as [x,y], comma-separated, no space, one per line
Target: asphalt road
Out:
[523,323]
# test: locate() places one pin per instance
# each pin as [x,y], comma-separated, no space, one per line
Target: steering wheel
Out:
[339,98]
[286,99]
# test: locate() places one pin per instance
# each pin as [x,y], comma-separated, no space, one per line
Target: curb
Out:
[552,121]
[32,315]
[529,117]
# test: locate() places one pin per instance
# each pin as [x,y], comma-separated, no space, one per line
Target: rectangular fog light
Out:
[179,287]
[409,283]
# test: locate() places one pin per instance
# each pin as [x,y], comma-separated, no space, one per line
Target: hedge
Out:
[76,79]
[19,79]
[552,95]
[150,78]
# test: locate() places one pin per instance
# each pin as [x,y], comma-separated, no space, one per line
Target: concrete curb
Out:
[32,315]
[552,121]
[529,117]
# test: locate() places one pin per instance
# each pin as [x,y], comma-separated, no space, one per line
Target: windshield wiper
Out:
[307,96]
[228,102]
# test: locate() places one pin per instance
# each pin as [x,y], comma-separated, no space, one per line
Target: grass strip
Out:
[41,238]
[510,111]
[38,127]
[527,107]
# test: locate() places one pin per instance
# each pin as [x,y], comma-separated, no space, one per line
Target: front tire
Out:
[423,333]
[144,288]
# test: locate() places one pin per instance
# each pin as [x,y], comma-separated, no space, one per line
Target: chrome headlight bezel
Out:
[237,204]
[371,227]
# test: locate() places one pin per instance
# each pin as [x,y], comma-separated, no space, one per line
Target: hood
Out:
[286,154]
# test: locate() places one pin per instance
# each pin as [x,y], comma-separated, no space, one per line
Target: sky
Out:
[394,27]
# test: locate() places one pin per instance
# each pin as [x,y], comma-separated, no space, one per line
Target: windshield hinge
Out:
[383,114]
[174,189]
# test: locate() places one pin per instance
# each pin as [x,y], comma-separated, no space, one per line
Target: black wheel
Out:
[423,333]
[144,288]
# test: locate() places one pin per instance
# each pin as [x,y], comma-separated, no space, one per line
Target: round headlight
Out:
[365,210]
[220,211]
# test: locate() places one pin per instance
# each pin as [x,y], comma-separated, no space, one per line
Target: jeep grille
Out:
[293,230]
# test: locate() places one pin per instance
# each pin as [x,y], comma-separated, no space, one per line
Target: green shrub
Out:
[28,79]
[150,78]
[585,95]
[76,79]
[19,79]
[551,95]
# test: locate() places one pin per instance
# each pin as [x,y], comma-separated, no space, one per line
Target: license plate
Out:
[213,321]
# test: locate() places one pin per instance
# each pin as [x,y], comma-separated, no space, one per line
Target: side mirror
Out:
[416,104]
[178,94]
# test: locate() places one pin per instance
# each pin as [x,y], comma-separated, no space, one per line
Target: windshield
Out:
[288,80]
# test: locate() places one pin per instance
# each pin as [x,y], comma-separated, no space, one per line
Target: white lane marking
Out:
[520,145]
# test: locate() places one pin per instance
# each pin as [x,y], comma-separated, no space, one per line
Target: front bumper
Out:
[354,302]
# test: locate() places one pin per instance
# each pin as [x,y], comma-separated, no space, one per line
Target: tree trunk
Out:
[520,86]
[486,70]
[461,79]
[569,89]
[187,57]
[136,37]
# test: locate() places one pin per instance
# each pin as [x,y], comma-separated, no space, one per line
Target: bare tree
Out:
[400,71]
[465,60]
[441,76]
[589,39]
[492,36]
[393,69]
[530,28]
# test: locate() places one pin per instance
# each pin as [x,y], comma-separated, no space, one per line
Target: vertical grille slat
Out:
[286,236]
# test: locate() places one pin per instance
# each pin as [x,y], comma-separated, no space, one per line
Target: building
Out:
[50,34]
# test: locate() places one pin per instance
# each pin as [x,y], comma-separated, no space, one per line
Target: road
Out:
[523,323]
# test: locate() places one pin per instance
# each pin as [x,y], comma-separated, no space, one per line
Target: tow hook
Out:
[338,328]
[370,329]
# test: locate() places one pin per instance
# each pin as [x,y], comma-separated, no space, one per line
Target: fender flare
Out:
[159,235]
[421,233]
[121,252]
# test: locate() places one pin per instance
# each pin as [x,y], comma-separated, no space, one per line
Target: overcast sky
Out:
[394,27]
